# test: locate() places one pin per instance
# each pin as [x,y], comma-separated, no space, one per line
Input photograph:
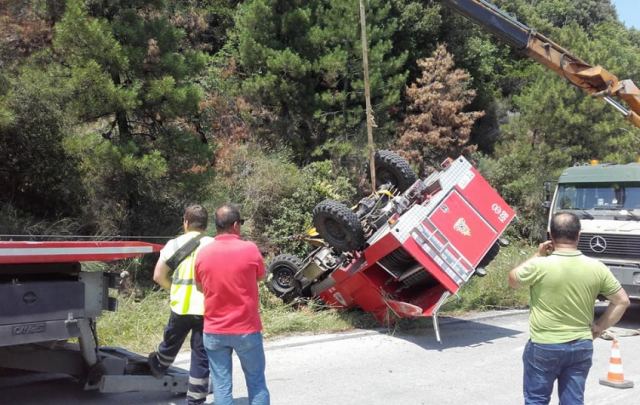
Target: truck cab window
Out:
[598,196]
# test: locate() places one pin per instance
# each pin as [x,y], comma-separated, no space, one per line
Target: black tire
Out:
[491,254]
[282,282]
[394,169]
[338,226]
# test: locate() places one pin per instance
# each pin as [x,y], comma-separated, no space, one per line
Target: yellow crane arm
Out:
[595,80]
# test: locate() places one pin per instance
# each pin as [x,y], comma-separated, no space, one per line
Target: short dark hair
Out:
[565,226]
[226,216]
[197,216]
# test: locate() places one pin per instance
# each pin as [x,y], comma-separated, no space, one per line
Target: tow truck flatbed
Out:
[46,299]
[66,252]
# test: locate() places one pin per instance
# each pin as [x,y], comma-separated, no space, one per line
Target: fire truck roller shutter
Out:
[282,271]
[393,169]
[338,226]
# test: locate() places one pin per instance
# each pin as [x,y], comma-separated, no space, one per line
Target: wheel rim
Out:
[334,229]
[283,279]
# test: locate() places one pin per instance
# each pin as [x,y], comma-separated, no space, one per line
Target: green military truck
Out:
[606,197]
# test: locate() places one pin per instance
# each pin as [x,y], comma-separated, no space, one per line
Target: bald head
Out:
[226,216]
[565,227]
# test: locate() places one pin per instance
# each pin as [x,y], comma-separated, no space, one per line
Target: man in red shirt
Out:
[228,272]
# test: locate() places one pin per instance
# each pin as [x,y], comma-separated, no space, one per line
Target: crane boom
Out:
[595,80]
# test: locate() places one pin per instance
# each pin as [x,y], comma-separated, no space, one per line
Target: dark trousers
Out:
[175,333]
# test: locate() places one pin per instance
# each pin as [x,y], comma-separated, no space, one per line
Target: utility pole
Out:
[367,95]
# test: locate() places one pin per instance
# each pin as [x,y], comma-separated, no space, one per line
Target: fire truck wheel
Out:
[338,226]
[394,169]
[282,282]
[491,254]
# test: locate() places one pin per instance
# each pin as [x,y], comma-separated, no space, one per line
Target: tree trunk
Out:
[124,131]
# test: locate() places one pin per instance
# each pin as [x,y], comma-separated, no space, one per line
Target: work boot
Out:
[154,365]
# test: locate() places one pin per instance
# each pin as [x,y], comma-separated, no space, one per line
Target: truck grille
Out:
[603,245]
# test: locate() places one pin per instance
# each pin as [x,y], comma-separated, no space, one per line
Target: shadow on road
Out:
[462,333]
[455,333]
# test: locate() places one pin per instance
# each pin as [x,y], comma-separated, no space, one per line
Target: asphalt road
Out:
[479,362]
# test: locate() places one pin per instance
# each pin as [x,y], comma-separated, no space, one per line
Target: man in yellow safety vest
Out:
[187,304]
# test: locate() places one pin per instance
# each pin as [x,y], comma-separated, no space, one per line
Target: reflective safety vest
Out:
[185,297]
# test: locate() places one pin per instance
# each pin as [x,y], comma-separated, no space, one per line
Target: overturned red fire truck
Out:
[402,250]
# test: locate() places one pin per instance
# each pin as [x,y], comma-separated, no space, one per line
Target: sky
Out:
[628,12]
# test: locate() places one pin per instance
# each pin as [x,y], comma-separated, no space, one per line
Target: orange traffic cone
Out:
[615,377]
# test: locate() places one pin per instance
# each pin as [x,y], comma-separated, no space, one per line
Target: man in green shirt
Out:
[564,285]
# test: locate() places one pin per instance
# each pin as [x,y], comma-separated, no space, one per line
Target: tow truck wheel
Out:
[338,226]
[282,282]
[394,169]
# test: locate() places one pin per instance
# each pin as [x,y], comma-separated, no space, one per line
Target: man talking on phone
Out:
[564,285]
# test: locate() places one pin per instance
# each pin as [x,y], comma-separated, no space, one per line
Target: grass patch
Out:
[279,319]
[138,325]
[492,291]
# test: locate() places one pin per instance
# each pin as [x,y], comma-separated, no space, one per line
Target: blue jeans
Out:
[251,354]
[569,363]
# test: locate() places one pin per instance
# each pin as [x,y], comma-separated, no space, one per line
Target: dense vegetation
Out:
[115,114]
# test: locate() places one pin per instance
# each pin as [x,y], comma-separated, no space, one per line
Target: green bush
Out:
[138,189]
[320,181]
[276,195]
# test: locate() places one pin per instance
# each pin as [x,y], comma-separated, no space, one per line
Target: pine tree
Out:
[436,127]
[129,75]
[128,57]
[341,102]
[303,63]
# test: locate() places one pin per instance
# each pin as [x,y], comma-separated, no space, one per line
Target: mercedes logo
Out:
[29,298]
[598,244]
